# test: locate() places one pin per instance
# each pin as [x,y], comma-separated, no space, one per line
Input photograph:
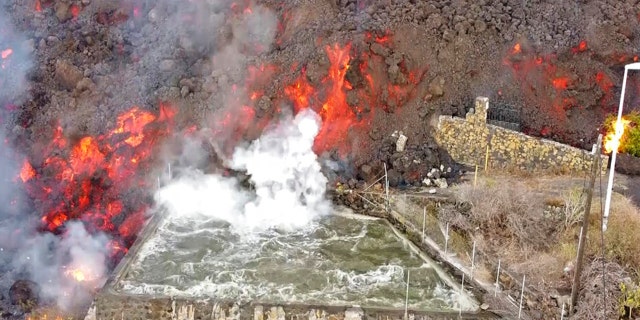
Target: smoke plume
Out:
[288,188]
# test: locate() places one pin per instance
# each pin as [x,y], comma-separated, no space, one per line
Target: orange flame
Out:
[77,275]
[38,6]
[612,139]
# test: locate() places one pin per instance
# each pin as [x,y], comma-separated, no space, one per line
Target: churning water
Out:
[337,260]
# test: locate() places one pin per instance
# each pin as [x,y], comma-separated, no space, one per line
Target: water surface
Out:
[336,260]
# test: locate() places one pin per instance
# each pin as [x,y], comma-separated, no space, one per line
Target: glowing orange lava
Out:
[27,172]
[90,179]
[612,139]
[517,48]
[337,116]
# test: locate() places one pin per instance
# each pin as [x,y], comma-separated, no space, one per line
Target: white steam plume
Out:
[284,172]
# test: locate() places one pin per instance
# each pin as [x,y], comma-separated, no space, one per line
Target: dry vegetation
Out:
[535,232]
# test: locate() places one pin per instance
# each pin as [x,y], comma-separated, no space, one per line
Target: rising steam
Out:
[289,188]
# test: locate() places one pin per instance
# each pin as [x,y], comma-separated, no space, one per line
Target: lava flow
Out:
[90,179]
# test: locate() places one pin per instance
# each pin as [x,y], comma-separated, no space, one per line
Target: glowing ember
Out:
[612,139]
[582,46]
[27,172]
[516,49]
[6,53]
[38,6]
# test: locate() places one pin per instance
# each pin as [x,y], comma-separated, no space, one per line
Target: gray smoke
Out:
[15,62]
[68,268]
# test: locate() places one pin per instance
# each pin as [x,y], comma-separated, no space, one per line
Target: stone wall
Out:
[114,306]
[472,141]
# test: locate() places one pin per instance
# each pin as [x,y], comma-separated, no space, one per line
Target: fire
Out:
[612,139]
[89,179]
[337,116]
[77,275]
[38,6]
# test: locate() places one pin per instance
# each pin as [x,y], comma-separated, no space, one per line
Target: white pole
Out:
[562,312]
[521,298]
[386,186]
[607,202]
[446,239]
[497,280]
[406,299]
[424,222]
[169,165]
[473,259]
[460,296]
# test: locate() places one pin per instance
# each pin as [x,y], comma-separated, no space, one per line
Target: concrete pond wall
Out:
[469,141]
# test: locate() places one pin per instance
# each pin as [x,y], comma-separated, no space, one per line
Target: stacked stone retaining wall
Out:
[472,141]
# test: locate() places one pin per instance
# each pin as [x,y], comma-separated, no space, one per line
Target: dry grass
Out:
[507,212]
[591,303]
[622,238]
[507,217]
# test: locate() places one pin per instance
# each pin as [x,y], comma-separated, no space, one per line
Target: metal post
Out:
[424,222]
[460,296]
[386,187]
[473,259]
[562,312]
[406,299]
[475,177]
[486,159]
[607,202]
[497,280]
[521,297]
[169,166]
[446,239]
[595,170]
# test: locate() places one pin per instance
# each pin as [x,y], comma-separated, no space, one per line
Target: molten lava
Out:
[90,180]
[612,139]
[337,116]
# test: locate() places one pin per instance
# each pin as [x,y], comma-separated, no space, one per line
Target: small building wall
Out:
[469,140]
